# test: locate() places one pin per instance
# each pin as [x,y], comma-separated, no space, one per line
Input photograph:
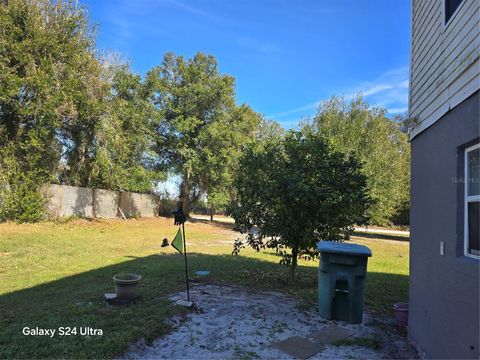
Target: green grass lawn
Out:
[54,275]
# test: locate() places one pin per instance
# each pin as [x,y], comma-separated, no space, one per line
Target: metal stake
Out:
[186,265]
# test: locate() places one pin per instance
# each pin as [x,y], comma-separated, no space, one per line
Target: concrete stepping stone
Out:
[299,347]
[329,334]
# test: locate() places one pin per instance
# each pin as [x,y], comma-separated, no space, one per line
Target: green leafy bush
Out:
[22,200]
[297,191]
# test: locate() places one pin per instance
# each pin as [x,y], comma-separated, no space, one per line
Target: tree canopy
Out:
[297,191]
[268,129]
[71,116]
[48,83]
[47,77]
[66,114]
[121,155]
[201,130]
[356,128]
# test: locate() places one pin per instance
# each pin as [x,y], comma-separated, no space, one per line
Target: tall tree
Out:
[48,81]
[356,128]
[201,130]
[223,146]
[46,68]
[121,156]
[65,114]
[297,191]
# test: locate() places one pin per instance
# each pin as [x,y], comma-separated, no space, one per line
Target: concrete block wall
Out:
[64,201]
[148,205]
[105,203]
[129,203]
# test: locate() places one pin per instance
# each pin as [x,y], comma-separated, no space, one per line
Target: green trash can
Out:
[341,279]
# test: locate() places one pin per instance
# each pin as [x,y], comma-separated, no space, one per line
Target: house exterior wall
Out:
[444,290]
[444,62]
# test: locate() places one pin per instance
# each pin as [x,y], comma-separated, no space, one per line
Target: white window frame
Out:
[467,199]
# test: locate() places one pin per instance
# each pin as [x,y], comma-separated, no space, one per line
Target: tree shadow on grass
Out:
[77,301]
[378,236]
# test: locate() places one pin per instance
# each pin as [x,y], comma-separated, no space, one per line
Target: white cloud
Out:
[187,8]
[397,110]
[125,19]
[379,88]
[139,7]
[389,90]
[304,108]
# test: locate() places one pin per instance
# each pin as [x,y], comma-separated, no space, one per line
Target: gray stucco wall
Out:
[444,290]
[64,201]
[133,204]
[105,203]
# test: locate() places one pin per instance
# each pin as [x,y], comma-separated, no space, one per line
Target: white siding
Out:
[444,64]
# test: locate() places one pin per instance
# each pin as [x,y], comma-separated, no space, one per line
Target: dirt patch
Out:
[233,322]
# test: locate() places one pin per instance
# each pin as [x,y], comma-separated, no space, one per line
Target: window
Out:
[450,7]
[472,201]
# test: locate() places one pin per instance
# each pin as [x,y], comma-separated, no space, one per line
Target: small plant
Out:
[22,200]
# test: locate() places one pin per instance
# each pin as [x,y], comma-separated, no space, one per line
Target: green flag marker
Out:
[177,243]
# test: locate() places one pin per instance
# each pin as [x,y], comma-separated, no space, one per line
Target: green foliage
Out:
[202,207]
[201,130]
[46,71]
[298,191]
[122,158]
[21,198]
[167,205]
[224,147]
[356,128]
[65,115]
[268,129]
[22,201]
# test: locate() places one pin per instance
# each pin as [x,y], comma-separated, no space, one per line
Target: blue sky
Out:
[286,56]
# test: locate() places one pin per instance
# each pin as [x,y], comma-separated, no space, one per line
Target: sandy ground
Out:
[231,322]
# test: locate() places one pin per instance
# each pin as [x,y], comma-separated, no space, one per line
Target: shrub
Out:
[298,191]
[22,200]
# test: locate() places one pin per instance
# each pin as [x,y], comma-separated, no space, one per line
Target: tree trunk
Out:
[185,194]
[294,262]
[211,214]
[11,122]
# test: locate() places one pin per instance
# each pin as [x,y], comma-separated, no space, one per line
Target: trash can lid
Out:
[343,248]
